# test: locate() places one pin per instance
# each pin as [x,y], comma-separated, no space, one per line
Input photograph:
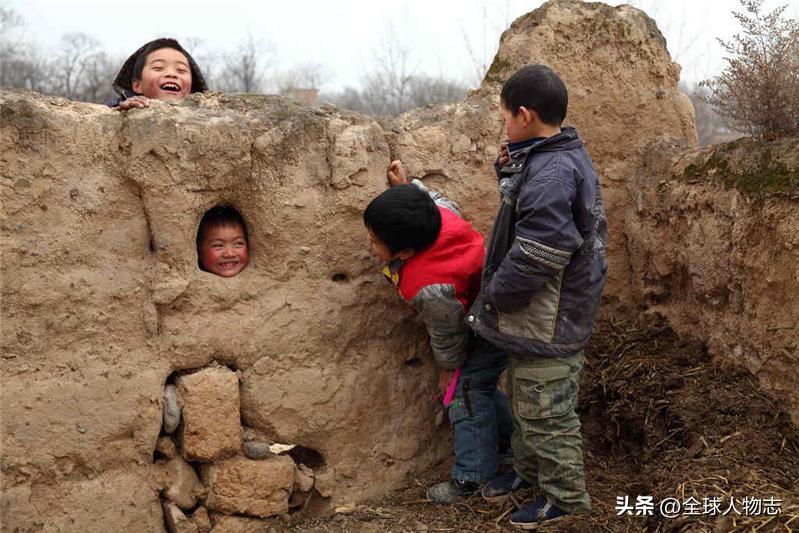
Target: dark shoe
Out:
[449,492]
[531,515]
[499,488]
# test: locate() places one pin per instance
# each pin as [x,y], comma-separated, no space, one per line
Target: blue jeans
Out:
[481,420]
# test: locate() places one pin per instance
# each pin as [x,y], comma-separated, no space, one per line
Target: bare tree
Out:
[20,64]
[76,53]
[99,72]
[245,68]
[758,92]
[305,76]
[392,85]
[207,58]
[427,90]
[386,87]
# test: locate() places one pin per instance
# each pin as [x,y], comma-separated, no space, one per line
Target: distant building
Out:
[304,96]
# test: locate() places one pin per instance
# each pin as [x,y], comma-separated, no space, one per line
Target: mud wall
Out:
[713,239]
[103,303]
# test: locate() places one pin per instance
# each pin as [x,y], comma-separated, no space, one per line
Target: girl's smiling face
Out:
[166,76]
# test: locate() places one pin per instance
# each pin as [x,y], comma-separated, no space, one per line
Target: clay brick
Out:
[243,524]
[244,486]
[211,427]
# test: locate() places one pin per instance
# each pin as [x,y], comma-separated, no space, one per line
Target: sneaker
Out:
[531,515]
[449,492]
[499,488]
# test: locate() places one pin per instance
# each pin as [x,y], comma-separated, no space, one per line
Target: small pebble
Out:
[256,450]
[171,409]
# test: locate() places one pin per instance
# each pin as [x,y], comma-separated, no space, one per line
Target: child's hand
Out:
[395,173]
[502,155]
[134,101]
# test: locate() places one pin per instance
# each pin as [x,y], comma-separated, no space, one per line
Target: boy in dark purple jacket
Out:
[542,280]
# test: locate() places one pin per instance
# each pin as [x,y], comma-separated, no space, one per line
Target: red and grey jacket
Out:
[441,282]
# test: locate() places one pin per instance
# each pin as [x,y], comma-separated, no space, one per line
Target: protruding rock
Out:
[303,478]
[166,447]
[176,521]
[202,520]
[211,427]
[324,481]
[243,486]
[182,484]
[171,409]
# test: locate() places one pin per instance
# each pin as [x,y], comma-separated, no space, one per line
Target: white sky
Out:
[343,35]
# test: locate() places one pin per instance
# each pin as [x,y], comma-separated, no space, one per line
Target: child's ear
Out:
[136,86]
[529,115]
[407,253]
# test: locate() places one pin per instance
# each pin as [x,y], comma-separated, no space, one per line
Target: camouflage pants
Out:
[546,442]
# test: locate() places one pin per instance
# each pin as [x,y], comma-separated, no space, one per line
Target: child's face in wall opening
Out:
[166,76]
[223,250]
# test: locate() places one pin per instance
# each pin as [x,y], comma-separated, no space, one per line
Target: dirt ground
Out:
[660,418]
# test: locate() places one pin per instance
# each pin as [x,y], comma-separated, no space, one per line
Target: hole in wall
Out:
[307,456]
[339,277]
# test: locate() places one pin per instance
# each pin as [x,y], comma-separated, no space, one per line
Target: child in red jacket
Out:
[434,259]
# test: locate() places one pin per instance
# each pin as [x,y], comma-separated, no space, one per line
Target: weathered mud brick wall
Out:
[623,95]
[714,244]
[124,366]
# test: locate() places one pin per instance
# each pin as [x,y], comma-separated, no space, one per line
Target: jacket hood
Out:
[124,80]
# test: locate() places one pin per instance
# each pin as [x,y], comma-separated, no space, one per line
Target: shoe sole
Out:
[529,526]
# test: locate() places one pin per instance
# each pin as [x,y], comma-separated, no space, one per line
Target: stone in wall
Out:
[177,521]
[183,487]
[166,447]
[258,488]
[202,519]
[211,427]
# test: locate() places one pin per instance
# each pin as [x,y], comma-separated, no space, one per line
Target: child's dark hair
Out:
[221,215]
[403,217]
[536,87]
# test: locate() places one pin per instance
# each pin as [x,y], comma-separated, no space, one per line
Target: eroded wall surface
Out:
[103,303]
[714,244]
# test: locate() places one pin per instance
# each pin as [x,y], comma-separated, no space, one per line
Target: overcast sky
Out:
[343,36]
